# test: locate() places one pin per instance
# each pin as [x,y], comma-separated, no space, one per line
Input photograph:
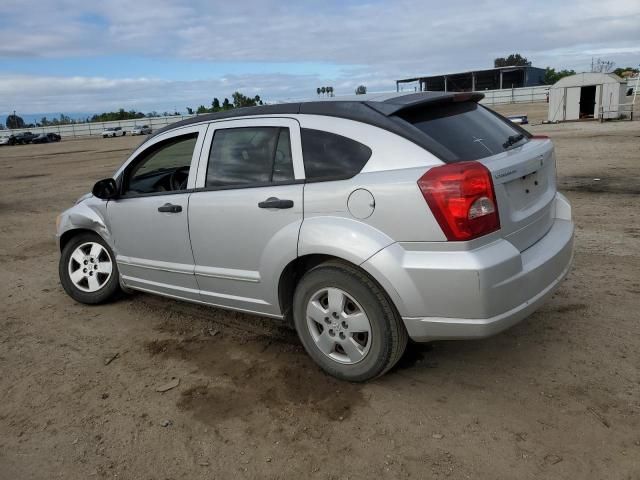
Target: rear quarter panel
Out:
[400,212]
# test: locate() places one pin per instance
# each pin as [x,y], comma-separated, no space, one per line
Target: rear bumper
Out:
[478,292]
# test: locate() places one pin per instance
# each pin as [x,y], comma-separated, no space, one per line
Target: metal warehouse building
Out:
[477,80]
[587,95]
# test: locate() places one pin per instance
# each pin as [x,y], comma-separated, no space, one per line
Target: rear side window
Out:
[328,156]
[464,130]
[250,155]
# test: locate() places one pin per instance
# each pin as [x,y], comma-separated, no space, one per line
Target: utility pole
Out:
[635,90]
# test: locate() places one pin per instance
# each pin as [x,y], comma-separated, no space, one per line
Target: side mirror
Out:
[105,189]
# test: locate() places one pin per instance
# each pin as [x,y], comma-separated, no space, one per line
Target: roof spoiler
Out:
[405,103]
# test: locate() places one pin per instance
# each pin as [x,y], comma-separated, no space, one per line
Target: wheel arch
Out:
[295,270]
[84,218]
[344,239]
[67,236]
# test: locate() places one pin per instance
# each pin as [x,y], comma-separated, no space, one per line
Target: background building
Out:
[588,95]
[477,80]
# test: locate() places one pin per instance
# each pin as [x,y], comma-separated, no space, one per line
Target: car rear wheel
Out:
[346,322]
[87,269]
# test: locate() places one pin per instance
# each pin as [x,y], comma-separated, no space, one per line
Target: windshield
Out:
[465,130]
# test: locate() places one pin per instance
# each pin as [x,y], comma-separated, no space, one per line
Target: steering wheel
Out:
[176,182]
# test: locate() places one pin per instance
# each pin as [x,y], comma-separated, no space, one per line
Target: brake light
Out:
[462,199]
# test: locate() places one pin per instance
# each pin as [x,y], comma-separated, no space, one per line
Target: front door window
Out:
[164,167]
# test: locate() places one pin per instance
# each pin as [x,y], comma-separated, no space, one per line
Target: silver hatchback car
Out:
[364,221]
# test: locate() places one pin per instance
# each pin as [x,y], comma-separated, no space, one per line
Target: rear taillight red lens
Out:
[462,199]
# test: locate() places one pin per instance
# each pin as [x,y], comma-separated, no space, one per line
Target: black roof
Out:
[380,110]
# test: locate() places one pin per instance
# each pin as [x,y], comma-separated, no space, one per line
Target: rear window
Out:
[328,156]
[465,131]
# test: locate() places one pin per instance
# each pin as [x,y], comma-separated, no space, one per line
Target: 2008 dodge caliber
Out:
[365,221]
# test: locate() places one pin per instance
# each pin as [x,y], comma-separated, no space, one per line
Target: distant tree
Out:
[551,76]
[361,90]
[14,121]
[622,72]
[602,66]
[515,59]
[202,109]
[121,114]
[189,110]
[215,105]
[240,100]
[319,91]
[330,90]
[226,105]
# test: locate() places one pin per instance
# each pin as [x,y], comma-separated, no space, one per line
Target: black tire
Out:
[107,292]
[388,334]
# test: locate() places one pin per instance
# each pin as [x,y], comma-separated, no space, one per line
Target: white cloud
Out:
[90,94]
[376,42]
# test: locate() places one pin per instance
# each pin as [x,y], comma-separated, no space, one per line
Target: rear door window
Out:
[249,156]
[328,156]
[465,130]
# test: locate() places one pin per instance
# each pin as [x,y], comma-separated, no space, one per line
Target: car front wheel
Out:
[87,269]
[346,322]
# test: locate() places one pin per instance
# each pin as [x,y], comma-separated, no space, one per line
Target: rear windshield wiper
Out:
[512,140]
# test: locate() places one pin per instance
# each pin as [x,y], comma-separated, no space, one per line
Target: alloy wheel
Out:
[90,267]
[338,325]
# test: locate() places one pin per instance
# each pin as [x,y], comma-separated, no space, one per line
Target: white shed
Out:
[587,95]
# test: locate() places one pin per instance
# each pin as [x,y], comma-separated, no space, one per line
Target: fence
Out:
[620,111]
[74,130]
[95,128]
[515,95]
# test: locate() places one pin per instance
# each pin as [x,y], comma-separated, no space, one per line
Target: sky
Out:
[93,56]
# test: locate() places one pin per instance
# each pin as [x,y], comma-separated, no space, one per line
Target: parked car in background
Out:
[113,132]
[24,137]
[519,119]
[47,138]
[7,139]
[363,221]
[141,130]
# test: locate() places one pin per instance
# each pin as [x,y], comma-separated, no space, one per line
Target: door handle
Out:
[169,208]
[273,202]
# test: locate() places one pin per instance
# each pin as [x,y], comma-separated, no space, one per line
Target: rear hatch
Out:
[522,166]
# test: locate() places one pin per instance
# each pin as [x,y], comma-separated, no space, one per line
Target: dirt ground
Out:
[557,396]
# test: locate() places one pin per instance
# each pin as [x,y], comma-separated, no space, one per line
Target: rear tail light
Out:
[462,199]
